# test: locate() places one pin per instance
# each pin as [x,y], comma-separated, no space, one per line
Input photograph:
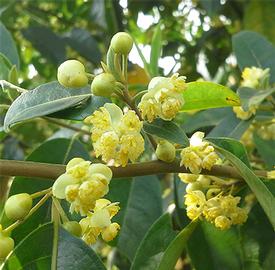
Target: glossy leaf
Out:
[81,111]
[167,130]
[153,245]
[7,46]
[205,95]
[43,100]
[266,150]
[263,195]
[212,249]
[176,247]
[73,253]
[143,208]
[252,49]
[233,146]
[252,97]
[156,48]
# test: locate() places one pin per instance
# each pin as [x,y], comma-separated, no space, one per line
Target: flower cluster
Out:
[82,184]
[253,77]
[221,210]
[164,98]
[99,222]
[199,155]
[116,136]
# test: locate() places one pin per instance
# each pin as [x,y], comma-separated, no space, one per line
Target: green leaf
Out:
[213,249]
[83,110]
[252,49]
[47,43]
[5,67]
[263,195]
[167,130]
[230,126]
[156,47]
[73,253]
[43,100]
[84,43]
[251,97]
[143,208]
[154,243]
[233,146]
[266,150]
[58,151]
[7,46]
[176,247]
[205,95]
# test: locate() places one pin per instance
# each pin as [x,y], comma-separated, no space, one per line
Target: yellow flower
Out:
[252,77]
[164,98]
[188,178]
[223,222]
[195,202]
[119,140]
[199,155]
[271,174]
[82,184]
[244,115]
[99,221]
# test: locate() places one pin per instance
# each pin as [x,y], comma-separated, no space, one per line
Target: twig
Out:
[4,84]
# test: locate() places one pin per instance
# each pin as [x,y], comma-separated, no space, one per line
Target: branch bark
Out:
[52,171]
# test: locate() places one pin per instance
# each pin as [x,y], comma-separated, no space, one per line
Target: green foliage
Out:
[204,95]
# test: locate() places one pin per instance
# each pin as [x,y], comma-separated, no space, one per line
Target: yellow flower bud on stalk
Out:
[166,151]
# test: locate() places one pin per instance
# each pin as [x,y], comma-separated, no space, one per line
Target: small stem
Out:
[125,67]
[56,222]
[60,210]
[4,84]
[62,124]
[41,193]
[33,210]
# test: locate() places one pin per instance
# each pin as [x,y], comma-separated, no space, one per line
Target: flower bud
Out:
[73,227]
[122,43]
[212,192]
[18,206]
[103,85]
[6,246]
[72,73]
[110,232]
[166,151]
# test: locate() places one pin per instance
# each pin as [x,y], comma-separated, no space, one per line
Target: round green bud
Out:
[72,73]
[73,227]
[204,181]
[193,187]
[166,151]
[6,246]
[18,206]
[103,85]
[122,43]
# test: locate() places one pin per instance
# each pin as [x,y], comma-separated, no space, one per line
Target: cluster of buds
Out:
[83,185]
[204,198]
[116,136]
[253,78]
[164,98]
[199,155]
[267,132]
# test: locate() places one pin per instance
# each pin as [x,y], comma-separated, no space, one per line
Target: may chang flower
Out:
[116,136]
[99,222]
[164,98]
[199,155]
[82,184]
[253,76]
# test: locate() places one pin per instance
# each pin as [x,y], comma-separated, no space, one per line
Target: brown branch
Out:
[52,171]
